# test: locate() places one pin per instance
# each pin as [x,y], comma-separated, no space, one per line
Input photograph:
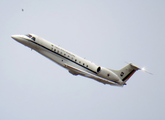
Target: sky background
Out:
[106,32]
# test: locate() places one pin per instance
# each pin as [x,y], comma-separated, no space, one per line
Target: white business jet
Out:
[75,64]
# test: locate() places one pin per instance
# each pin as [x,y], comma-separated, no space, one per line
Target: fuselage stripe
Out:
[61,55]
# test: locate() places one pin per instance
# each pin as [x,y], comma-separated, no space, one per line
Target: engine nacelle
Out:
[107,74]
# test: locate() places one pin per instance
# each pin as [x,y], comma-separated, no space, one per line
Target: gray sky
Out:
[106,32]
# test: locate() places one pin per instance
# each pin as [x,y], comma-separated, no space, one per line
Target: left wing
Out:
[76,71]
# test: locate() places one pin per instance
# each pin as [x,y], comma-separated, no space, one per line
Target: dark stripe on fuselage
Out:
[60,55]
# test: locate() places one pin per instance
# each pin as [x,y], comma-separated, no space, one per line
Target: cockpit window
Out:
[30,36]
[33,38]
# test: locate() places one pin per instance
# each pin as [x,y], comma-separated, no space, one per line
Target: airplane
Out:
[75,64]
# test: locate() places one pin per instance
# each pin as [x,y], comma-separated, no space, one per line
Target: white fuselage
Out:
[63,57]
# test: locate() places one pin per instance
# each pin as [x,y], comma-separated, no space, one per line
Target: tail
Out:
[126,72]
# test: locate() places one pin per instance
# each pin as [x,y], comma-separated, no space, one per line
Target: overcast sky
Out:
[106,32]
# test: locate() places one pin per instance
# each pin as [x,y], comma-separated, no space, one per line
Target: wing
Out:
[76,71]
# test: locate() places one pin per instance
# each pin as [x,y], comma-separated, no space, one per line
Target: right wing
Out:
[76,71]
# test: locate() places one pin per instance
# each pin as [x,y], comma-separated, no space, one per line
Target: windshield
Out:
[30,36]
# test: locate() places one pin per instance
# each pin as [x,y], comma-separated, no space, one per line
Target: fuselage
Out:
[63,57]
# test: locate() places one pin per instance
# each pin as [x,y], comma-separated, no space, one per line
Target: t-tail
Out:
[126,72]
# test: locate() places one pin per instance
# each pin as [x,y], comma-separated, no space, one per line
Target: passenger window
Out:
[75,59]
[87,66]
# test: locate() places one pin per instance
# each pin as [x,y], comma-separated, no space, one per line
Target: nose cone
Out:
[18,38]
[15,37]
[21,39]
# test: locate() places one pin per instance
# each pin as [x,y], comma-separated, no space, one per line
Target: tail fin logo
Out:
[122,74]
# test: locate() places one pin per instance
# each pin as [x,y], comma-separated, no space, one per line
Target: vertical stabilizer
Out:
[126,72]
